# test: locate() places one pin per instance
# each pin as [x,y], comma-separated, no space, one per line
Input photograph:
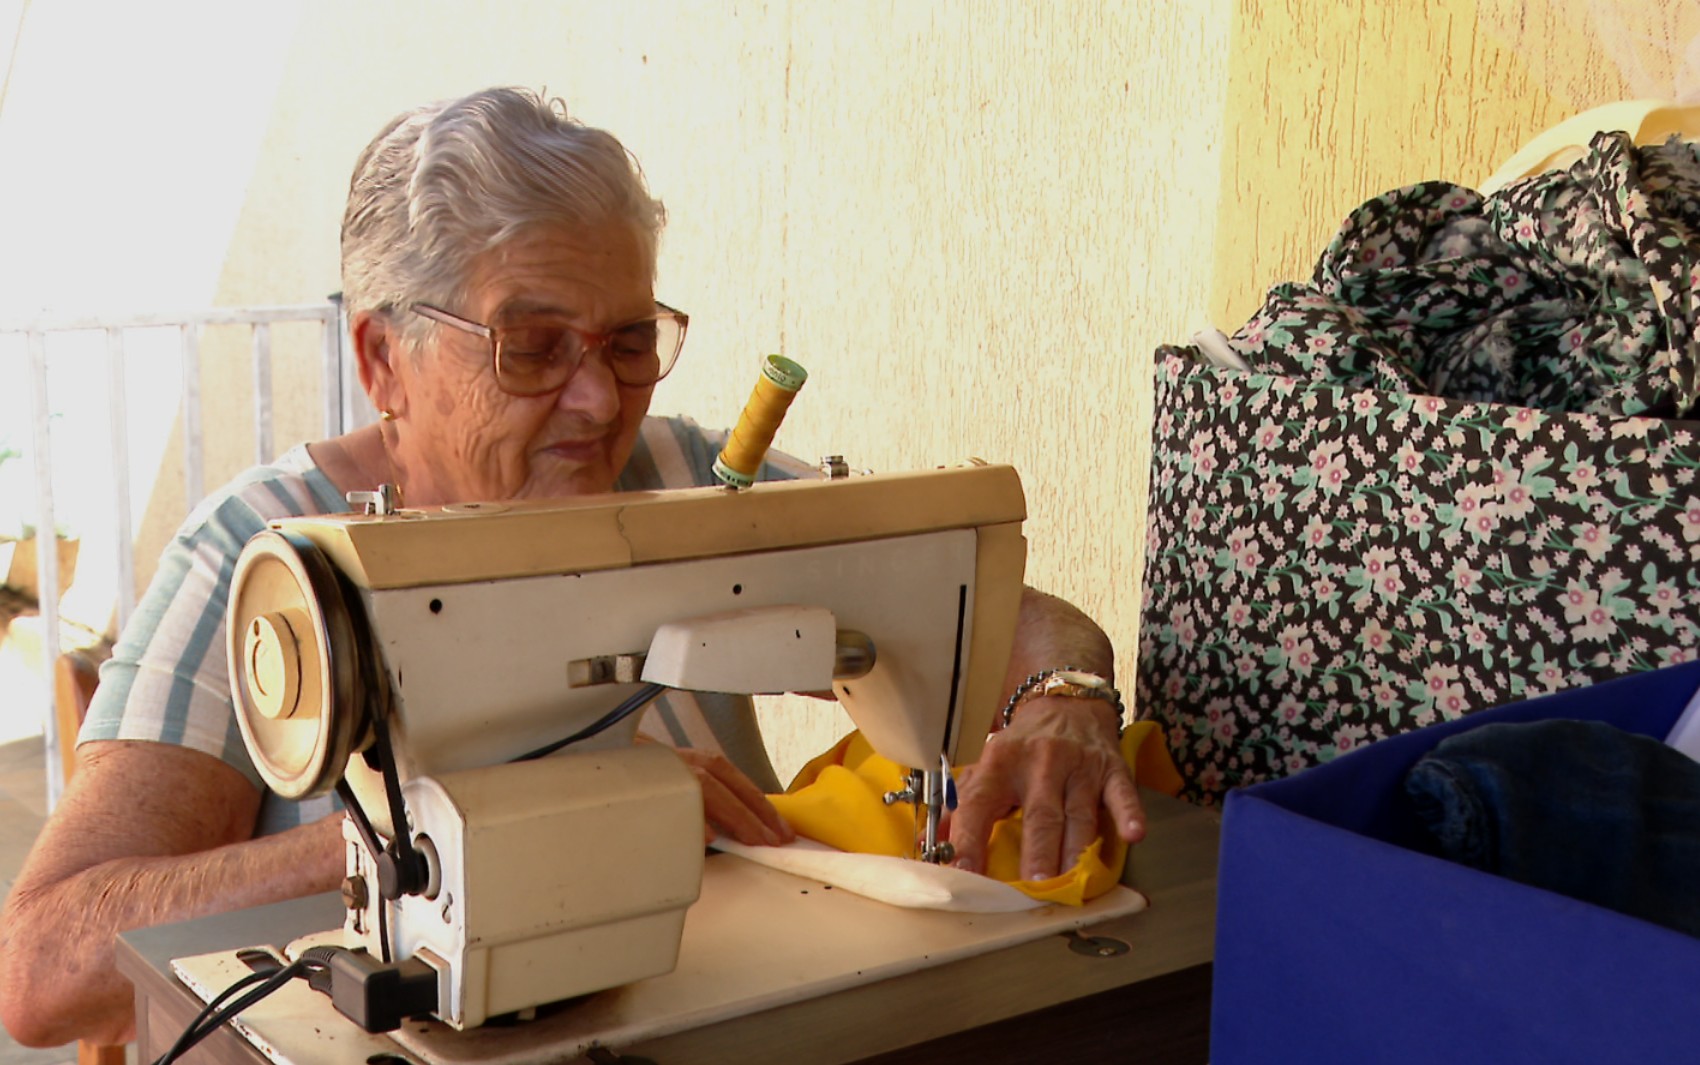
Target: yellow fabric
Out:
[837,799]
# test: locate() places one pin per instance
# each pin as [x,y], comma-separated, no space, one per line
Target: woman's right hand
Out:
[732,805]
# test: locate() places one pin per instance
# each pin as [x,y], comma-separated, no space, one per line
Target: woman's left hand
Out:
[732,804]
[1059,762]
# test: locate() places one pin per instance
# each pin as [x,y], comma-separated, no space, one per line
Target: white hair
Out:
[446,182]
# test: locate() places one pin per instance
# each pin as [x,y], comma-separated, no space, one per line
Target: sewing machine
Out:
[426,664]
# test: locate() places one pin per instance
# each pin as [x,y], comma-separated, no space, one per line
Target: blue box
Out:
[1336,941]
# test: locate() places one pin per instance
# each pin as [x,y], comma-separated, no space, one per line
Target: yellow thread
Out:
[745,448]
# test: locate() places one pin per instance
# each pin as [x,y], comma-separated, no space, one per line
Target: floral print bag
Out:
[1334,555]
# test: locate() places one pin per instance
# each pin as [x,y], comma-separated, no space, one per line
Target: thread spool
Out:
[777,386]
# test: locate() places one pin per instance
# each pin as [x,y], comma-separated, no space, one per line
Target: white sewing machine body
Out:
[483,632]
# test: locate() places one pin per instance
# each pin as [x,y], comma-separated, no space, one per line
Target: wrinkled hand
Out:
[1060,763]
[732,804]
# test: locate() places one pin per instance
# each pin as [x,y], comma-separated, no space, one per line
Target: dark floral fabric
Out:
[1436,491]
[1573,290]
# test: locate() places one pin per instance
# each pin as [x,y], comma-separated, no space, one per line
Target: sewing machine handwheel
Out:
[294,644]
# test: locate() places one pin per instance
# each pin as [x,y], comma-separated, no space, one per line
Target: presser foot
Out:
[933,791]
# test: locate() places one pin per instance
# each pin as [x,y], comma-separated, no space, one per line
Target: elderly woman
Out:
[498,263]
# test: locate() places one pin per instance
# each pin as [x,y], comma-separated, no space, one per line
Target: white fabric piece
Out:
[896,881]
[1685,734]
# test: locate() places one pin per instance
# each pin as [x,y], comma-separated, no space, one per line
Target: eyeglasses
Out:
[533,358]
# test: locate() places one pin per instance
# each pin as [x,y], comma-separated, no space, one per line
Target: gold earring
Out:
[387,415]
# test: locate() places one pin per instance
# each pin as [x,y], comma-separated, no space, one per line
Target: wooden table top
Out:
[1041,998]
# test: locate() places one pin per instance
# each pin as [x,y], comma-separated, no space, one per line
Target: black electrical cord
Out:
[637,701]
[215,1015]
[182,1044]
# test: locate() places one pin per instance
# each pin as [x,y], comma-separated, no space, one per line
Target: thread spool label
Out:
[730,476]
[784,373]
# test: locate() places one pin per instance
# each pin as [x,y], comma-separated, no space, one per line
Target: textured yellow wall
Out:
[1329,104]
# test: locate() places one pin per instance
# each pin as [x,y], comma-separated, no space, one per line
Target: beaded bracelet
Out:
[1025,688]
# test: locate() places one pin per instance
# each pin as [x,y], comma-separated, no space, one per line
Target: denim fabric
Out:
[1577,807]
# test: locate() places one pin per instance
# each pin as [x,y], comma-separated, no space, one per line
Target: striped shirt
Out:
[168,682]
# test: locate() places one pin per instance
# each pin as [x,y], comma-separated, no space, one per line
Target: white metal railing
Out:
[344,408]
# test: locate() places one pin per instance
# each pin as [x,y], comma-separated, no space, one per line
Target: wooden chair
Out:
[75,675]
